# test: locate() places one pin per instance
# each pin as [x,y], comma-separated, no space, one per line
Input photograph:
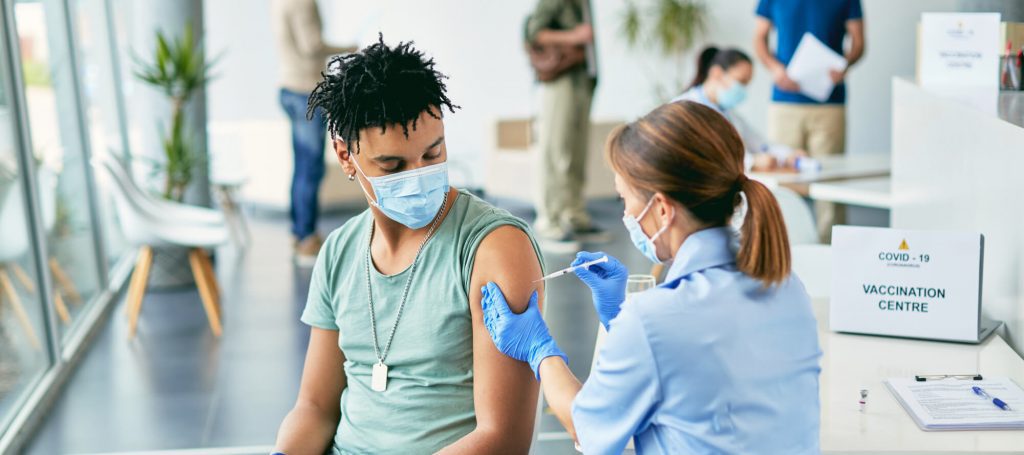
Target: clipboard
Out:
[949,404]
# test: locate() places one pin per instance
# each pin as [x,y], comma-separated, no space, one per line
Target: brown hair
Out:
[693,155]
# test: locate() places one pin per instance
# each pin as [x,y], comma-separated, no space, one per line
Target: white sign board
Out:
[960,50]
[959,57]
[915,284]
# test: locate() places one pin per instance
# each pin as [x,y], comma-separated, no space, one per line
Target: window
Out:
[59,156]
[97,74]
[24,352]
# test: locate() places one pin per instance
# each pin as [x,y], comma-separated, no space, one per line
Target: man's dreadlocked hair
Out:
[377,87]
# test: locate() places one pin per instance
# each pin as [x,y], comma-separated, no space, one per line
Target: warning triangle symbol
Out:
[904,246]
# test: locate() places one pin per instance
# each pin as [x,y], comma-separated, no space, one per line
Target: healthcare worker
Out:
[721,84]
[720,358]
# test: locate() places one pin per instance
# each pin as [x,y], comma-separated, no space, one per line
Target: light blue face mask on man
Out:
[732,96]
[411,198]
[640,240]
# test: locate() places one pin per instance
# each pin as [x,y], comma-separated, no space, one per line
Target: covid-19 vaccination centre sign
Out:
[915,284]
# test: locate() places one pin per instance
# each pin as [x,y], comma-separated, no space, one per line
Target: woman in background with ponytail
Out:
[721,84]
[720,358]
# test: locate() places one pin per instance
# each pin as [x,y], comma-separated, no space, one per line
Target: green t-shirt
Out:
[428,403]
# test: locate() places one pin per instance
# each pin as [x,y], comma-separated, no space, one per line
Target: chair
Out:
[15,245]
[227,177]
[813,265]
[798,216]
[63,285]
[148,222]
[155,206]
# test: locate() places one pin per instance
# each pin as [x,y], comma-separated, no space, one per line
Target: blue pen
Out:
[999,403]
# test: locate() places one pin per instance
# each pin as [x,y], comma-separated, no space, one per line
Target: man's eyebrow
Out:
[384,158]
[435,143]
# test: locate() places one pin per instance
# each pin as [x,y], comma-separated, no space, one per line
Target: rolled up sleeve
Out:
[622,393]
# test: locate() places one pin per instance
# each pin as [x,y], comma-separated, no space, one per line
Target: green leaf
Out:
[673,26]
[631,23]
[179,68]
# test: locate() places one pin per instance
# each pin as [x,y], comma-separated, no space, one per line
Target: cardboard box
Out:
[1012,32]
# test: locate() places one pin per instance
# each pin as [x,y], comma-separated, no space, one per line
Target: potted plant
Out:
[671,26]
[179,68]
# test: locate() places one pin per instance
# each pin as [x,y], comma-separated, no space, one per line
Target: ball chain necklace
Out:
[379,379]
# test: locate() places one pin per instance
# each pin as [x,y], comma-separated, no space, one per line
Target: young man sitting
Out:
[399,360]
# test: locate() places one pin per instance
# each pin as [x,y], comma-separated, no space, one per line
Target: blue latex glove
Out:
[523,337]
[607,283]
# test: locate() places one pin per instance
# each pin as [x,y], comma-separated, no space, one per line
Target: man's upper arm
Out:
[323,376]
[855,28]
[542,18]
[762,28]
[504,389]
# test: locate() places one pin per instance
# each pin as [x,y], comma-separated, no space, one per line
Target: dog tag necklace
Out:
[379,377]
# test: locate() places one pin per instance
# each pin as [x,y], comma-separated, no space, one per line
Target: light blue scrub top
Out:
[697,94]
[709,362]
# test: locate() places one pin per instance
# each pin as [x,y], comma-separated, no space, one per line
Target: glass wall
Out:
[24,351]
[58,105]
[98,73]
[59,155]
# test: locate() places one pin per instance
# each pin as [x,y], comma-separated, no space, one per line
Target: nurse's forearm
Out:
[560,388]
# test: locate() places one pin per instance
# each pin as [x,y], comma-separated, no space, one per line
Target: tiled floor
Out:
[176,387]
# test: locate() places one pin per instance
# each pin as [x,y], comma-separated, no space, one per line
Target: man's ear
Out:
[344,157]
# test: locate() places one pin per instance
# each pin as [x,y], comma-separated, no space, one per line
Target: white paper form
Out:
[950,404]
[811,65]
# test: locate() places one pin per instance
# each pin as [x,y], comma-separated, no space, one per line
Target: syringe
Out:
[568,270]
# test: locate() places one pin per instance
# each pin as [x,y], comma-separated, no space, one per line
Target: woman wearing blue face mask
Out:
[721,84]
[720,358]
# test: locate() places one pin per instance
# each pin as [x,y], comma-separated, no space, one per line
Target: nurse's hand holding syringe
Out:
[606,278]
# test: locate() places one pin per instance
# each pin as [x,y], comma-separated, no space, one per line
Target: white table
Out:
[852,362]
[833,168]
[875,192]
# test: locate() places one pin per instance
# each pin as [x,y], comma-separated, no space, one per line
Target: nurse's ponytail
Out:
[693,155]
[764,244]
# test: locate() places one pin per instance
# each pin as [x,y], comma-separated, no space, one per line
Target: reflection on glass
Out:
[23,355]
[60,166]
[95,71]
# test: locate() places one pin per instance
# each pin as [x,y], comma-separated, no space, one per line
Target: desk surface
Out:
[852,362]
[832,168]
[873,192]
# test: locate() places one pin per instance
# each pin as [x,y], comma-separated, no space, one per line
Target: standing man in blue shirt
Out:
[794,119]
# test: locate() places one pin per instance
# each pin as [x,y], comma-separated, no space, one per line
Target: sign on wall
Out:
[916,284]
[959,57]
[959,50]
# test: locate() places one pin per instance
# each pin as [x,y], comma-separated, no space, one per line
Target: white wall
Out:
[478,44]
[956,168]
